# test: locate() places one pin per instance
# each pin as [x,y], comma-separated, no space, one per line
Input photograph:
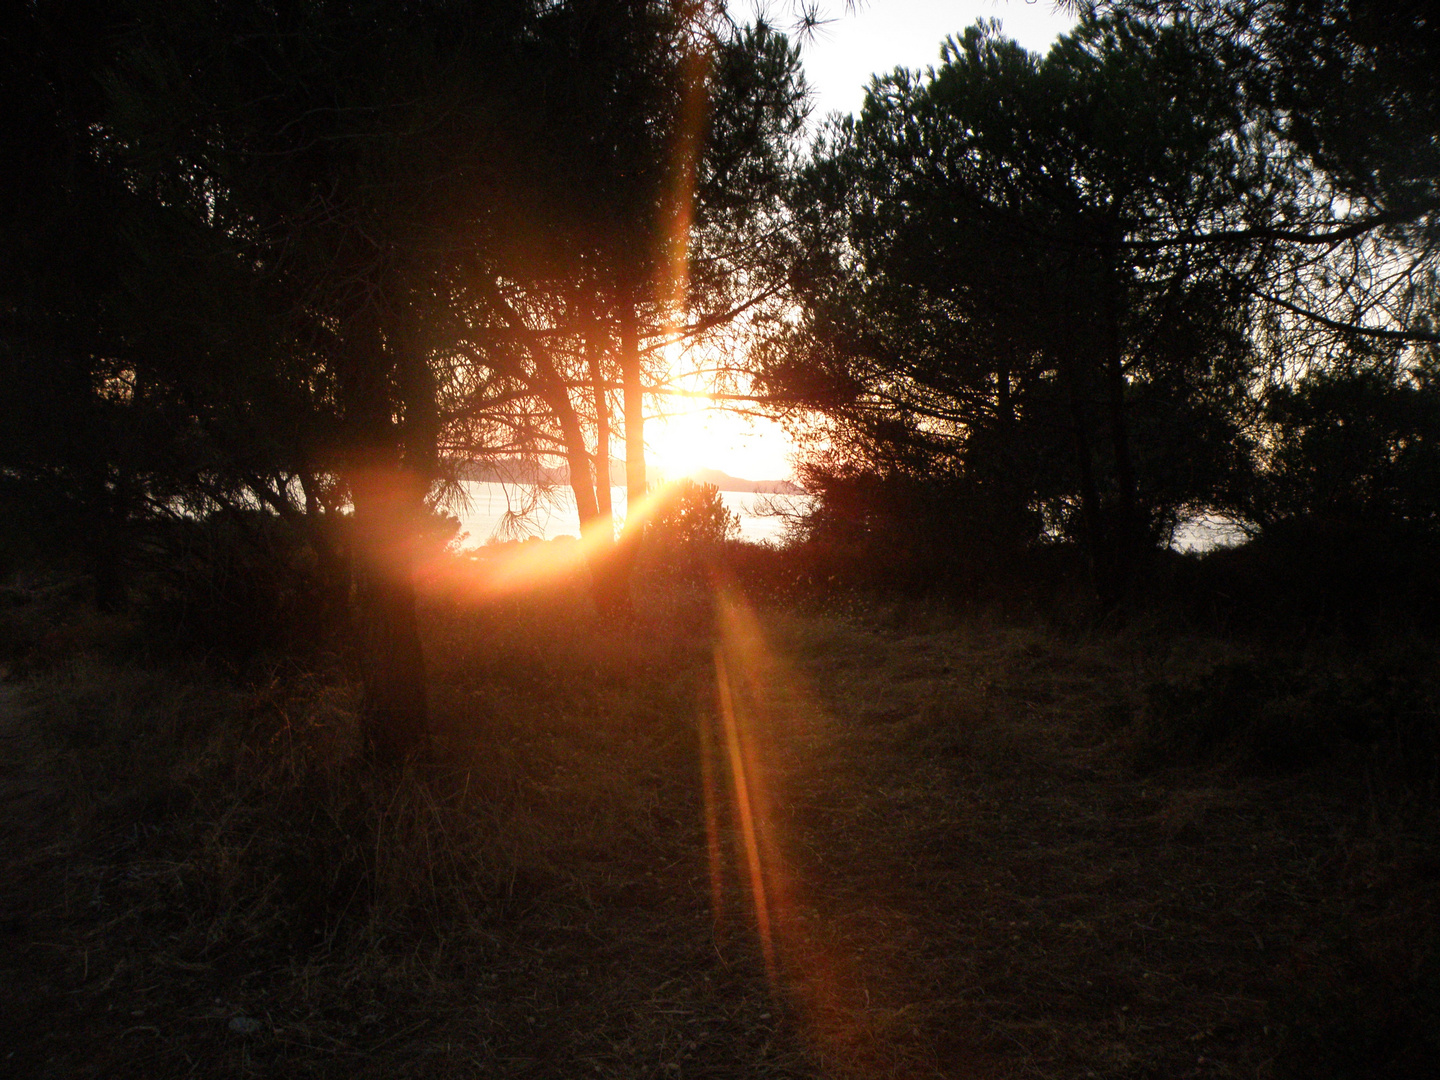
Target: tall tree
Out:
[1012,297]
[1343,92]
[78,437]
[332,165]
[358,235]
[648,218]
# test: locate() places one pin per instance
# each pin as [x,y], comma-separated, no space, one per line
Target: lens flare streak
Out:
[764,716]
[740,774]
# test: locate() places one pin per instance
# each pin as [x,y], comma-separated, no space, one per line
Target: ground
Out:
[742,837]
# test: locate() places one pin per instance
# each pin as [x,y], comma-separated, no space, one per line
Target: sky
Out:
[839,58]
[882,35]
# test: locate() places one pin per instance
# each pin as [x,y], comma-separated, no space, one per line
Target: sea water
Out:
[492,510]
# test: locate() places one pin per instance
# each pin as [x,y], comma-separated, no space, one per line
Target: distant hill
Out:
[725,482]
[519,471]
[516,471]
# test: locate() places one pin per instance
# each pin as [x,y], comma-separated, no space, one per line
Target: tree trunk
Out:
[608,578]
[332,564]
[1090,509]
[602,424]
[1126,542]
[1013,530]
[395,717]
[609,574]
[634,404]
[576,459]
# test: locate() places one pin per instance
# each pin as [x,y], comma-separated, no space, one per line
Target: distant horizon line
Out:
[520,471]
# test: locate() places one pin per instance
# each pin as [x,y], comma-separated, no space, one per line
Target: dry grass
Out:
[975,863]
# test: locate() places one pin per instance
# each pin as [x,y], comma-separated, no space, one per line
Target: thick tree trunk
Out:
[1127,542]
[634,404]
[396,704]
[1090,509]
[332,565]
[1013,530]
[389,468]
[609,574]
[576,458]
[387,506]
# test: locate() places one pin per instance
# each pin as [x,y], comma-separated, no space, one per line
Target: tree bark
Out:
[389,470]
[395,712]
[609,573]
[602,423]
[1126,542]
[609,576]
[576,457]
[1009,506]
[1089,491]
[332,561]
[634,405]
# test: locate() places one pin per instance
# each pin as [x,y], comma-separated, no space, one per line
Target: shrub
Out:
[237,585]
[691,522]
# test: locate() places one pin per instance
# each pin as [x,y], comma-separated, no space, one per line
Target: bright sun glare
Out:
[689,433]
[715,438]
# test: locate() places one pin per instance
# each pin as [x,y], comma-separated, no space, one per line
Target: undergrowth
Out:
[990,848]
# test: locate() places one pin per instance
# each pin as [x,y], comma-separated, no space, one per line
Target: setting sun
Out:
[707,437]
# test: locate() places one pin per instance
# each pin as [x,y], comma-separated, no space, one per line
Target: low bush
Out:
[236,586]
[690,525]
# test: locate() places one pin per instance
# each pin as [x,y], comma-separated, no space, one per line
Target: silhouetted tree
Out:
[1012,300]
[1343,96]
[318,178]
[1343,93]
[78,449]
[1353,445]
[647,220]
[323,247]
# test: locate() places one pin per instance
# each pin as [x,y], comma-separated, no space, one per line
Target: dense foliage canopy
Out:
[328,250]
[289,266]
[1067,297]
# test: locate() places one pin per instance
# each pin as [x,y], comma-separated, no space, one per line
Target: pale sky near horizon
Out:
[839,58]
[841,55]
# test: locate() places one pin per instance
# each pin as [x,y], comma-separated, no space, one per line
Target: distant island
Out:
[725,482]
[520,471]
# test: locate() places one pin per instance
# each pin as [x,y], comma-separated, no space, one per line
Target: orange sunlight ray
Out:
[763,705]
[740,773]
[690,131]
